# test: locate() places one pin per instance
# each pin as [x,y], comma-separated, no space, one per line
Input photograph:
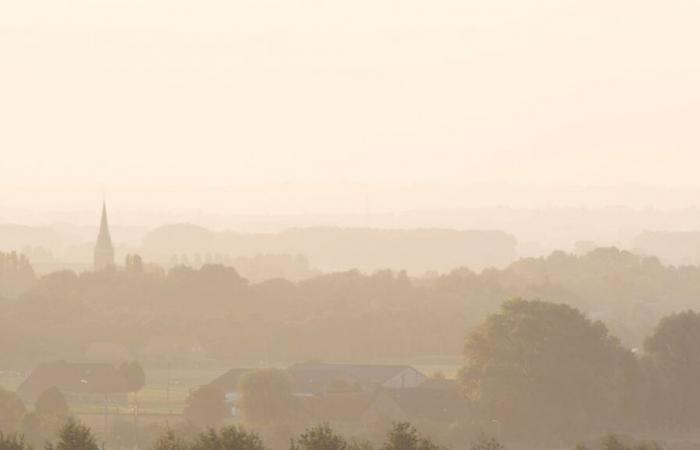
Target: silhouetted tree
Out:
[404,436]
[74,436]
[12,442]
[266,396]
[16,274]
[545,369]
[228,438]
[50,414]
[321,437]
[11,411]
[206,407]
[134,375]
[32,429]
[673,355]
[170,441]
[612,442]
[133,264]
[51,402]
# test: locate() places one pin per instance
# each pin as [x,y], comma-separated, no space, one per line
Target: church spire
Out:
[104,251]
[104,227]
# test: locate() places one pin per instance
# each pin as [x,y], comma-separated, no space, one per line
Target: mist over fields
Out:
[416,241]
[349,225]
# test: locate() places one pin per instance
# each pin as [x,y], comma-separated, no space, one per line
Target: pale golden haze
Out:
[478,218]
[183,96]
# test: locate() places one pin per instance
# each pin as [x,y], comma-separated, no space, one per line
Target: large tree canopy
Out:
[673,352]
[206,407]
[266,396]
[134,375]
[545,368]
[51,402]
[74,436]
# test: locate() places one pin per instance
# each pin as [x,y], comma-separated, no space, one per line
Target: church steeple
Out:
[104,251]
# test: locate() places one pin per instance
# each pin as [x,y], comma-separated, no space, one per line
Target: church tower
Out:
[104,251]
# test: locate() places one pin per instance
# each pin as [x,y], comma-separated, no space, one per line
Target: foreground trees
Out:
[612,442]
[321,437]
[544,370]
[402,436]
[74,436]
[228,438]
[486,443]
[12,442]
[169,441]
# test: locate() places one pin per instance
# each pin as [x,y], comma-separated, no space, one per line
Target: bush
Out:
[12,442]
[404,436]
[321,437]
[229,438]
[74,436]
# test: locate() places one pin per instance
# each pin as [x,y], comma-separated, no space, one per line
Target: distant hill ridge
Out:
[16,237]
[335,248]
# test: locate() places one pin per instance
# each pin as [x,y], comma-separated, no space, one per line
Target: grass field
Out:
[165,391]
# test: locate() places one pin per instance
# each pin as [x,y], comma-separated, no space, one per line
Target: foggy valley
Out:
[349,225]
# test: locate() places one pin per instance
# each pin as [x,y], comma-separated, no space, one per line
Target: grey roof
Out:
[440,404]
[315,377]
[228,382]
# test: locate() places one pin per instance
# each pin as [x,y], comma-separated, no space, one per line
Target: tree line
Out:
[538,372]
[400,436]
[346,316]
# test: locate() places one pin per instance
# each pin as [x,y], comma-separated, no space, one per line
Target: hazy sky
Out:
[199,94]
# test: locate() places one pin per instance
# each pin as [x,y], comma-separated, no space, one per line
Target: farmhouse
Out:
[77,381]
[433,400]
[228,384]
[358,388]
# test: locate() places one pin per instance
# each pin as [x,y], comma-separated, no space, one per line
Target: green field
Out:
[10,379]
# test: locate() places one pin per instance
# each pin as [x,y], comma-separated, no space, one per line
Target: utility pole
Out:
[136,420]
[167,391]
[104,434]
[498,428]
